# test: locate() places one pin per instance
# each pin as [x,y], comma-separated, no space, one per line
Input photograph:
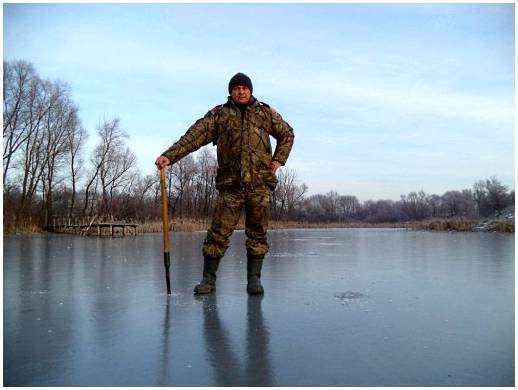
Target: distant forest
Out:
[48,173]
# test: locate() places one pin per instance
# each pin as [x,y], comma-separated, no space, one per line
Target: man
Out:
[241,129]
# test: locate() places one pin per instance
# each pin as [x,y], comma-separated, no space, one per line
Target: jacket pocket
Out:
[265,172]
[228,175]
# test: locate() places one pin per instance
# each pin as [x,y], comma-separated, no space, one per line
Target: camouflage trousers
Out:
[229,204]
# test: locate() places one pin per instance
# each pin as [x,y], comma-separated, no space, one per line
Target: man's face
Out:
[241,94]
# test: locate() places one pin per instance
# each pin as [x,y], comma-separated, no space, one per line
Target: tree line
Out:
[48,172]
[487,198]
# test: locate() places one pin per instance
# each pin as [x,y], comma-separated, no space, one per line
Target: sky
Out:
[384,99]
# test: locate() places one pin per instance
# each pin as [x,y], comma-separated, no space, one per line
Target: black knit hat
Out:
[240,79]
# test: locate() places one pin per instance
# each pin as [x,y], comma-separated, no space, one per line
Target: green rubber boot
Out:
[253,268]
[208,283]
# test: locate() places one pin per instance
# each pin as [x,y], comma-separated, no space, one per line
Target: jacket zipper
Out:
[243,114]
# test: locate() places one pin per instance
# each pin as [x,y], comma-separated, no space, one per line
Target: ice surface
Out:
[385,308]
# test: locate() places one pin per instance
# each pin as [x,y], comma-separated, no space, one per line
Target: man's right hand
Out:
[161,162]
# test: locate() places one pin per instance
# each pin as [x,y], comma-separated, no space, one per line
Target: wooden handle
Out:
[165,211]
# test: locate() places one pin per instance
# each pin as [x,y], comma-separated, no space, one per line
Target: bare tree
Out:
[115,175]
[496,195]
[287,195]
[181,177]
[27,100]
[33,157]
[434,205]
[111,139]
[75,139]
[380,211]
[143,189]
[480,196]
[457,204]
[349,207]
[415,205]
[330,205]
[60,118]
[206,167]
[20,87]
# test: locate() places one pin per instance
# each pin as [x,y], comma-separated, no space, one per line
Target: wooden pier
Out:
[84,227]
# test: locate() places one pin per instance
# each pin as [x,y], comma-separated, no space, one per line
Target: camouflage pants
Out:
[227,211]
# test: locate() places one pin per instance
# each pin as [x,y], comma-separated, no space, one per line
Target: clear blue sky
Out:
[384,98]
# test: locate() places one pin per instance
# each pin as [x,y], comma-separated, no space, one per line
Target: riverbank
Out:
[191,225]
[502,225]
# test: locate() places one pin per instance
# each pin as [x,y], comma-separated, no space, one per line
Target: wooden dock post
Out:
[83,225]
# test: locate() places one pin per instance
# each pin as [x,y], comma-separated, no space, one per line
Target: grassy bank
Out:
[463,225]
[176,225]
[436,224]
[191,225]
[444,224]
[22,229]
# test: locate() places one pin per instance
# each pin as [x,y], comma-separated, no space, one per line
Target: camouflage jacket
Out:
[243,143]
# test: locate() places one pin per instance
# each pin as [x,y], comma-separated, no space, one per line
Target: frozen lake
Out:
[342,307]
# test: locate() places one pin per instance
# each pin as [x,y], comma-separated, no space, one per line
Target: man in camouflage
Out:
[241,129]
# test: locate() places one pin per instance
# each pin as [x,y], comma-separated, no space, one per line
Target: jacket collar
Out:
[252,104]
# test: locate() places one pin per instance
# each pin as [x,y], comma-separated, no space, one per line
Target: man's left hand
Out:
[274,165]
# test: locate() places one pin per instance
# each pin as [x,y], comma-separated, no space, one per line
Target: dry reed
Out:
[202,224]
[444,224]
[503,226]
